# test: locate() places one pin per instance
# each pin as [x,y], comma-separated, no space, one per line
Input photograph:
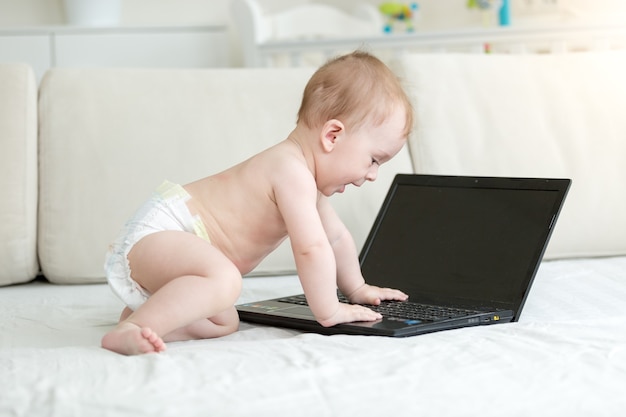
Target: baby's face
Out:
[357,157]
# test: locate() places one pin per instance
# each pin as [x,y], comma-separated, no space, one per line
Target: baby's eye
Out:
[374,161]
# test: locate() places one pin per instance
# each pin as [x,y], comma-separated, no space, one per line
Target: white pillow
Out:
[531,116]
[18,182]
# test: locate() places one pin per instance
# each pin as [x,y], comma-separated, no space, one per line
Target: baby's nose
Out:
[372,174]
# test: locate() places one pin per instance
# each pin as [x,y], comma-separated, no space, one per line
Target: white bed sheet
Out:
[565,357]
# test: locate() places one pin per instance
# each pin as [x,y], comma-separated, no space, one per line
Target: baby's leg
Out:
[125,314]
[222,324]
[189,279]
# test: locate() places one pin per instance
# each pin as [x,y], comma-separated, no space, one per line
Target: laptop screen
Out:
[463,241]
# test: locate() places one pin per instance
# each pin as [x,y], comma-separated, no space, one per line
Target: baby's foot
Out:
[129,339]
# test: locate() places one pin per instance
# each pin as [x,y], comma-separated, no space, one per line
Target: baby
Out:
[178,263]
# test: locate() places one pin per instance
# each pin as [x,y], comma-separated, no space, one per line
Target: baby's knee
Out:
[231,285]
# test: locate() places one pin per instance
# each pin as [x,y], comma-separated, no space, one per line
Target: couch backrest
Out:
[531,116]
[18,169]
[109,137]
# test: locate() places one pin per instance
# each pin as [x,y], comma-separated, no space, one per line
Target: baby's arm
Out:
[296,196]
[349,278]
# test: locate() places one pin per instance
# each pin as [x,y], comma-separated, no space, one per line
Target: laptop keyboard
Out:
[400,309]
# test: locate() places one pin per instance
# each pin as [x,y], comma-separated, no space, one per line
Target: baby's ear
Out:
[331,131]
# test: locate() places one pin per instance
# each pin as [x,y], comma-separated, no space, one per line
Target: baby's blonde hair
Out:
[353,88]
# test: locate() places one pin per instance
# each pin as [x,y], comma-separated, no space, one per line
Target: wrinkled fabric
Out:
[565,357]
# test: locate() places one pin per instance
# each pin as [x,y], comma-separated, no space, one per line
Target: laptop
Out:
[465,250]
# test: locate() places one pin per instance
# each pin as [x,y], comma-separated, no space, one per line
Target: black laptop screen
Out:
[473,245]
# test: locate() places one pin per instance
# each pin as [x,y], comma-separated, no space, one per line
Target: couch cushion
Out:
[531,116]
[18,161]
[109,137]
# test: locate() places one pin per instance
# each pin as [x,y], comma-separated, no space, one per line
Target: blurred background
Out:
[206,33]
[435,14]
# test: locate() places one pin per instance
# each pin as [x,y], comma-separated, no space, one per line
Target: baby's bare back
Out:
[239,210]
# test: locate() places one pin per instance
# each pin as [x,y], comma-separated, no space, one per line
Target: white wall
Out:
[433,14]
[20,13]
[30,12]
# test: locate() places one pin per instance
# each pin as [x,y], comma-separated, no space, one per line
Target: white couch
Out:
[82,151]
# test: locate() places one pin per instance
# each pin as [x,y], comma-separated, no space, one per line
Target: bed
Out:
[565,357]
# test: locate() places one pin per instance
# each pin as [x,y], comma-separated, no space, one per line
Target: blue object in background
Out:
[505,13]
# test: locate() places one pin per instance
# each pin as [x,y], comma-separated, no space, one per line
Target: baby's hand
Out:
[370,294]
[347,313]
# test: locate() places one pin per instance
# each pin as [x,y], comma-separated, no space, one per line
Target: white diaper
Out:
[166,210]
